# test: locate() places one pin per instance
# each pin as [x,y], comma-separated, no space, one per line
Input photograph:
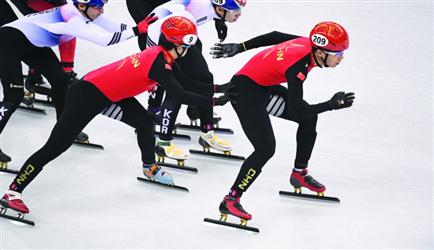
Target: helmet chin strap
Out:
[178,54]
[324,61]
[85,12]
[225,12]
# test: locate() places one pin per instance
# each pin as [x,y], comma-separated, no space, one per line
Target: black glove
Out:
[222,100]
[226,50]
[224,88]
[341,100]
[222,29]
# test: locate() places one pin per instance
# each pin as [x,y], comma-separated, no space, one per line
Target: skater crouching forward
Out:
[114,86]
[260,94]
[30,38]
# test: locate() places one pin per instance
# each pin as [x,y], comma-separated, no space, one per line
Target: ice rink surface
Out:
[377,156]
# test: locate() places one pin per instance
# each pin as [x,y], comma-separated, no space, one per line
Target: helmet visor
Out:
[234,11]
[99,4]
[334,53]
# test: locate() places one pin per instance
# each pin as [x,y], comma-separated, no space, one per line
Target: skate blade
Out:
[309,196]
[219,155]
[177,136]
[32,109]
[198,128]
[9,171]
[230,224]
[88,145]
[15,218]
[163,185]
[44,102]
[178,167]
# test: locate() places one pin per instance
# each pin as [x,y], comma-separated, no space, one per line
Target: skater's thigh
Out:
[83,103]
[7,14]
[10,67]
[133,113]
[46,61]
[255,121]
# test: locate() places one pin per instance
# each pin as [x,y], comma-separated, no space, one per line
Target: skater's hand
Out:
[222,100]
[226,50]
[221,28]
[341,100]
[224,88]
[144,24]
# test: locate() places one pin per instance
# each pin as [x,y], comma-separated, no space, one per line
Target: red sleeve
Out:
[39,5]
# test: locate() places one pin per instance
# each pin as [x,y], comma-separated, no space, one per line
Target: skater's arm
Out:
[297,107]
[272,38]
[231,49]
[190,84]
[110,25]
[78,28]
[162,73]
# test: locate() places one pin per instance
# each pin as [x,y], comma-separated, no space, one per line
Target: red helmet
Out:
[179,30]
[329,36]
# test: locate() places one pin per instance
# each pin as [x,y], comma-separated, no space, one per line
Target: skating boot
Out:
[231,205]
[33,79]
[210,140]
[72,76]
[302,179]
[13,200]
[155,173]
[168,149]
[82,137]
[29,98]
[4,159]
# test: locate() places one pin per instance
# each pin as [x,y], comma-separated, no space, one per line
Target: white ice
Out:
[377,156]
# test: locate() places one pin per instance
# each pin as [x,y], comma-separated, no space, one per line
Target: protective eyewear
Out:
[334,53]
[235,11]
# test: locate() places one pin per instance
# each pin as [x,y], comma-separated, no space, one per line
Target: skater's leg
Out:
[251,110]
[306,133]
[13,44]
[168,114]
[46,62]
[139,10]
[84,102]
[155,99]
[7,14]
[195,66]
[256,124]
[306,136]
[67,54]
[131,112]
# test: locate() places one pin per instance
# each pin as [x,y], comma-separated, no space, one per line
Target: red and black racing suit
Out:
[260,94]
[116,83]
